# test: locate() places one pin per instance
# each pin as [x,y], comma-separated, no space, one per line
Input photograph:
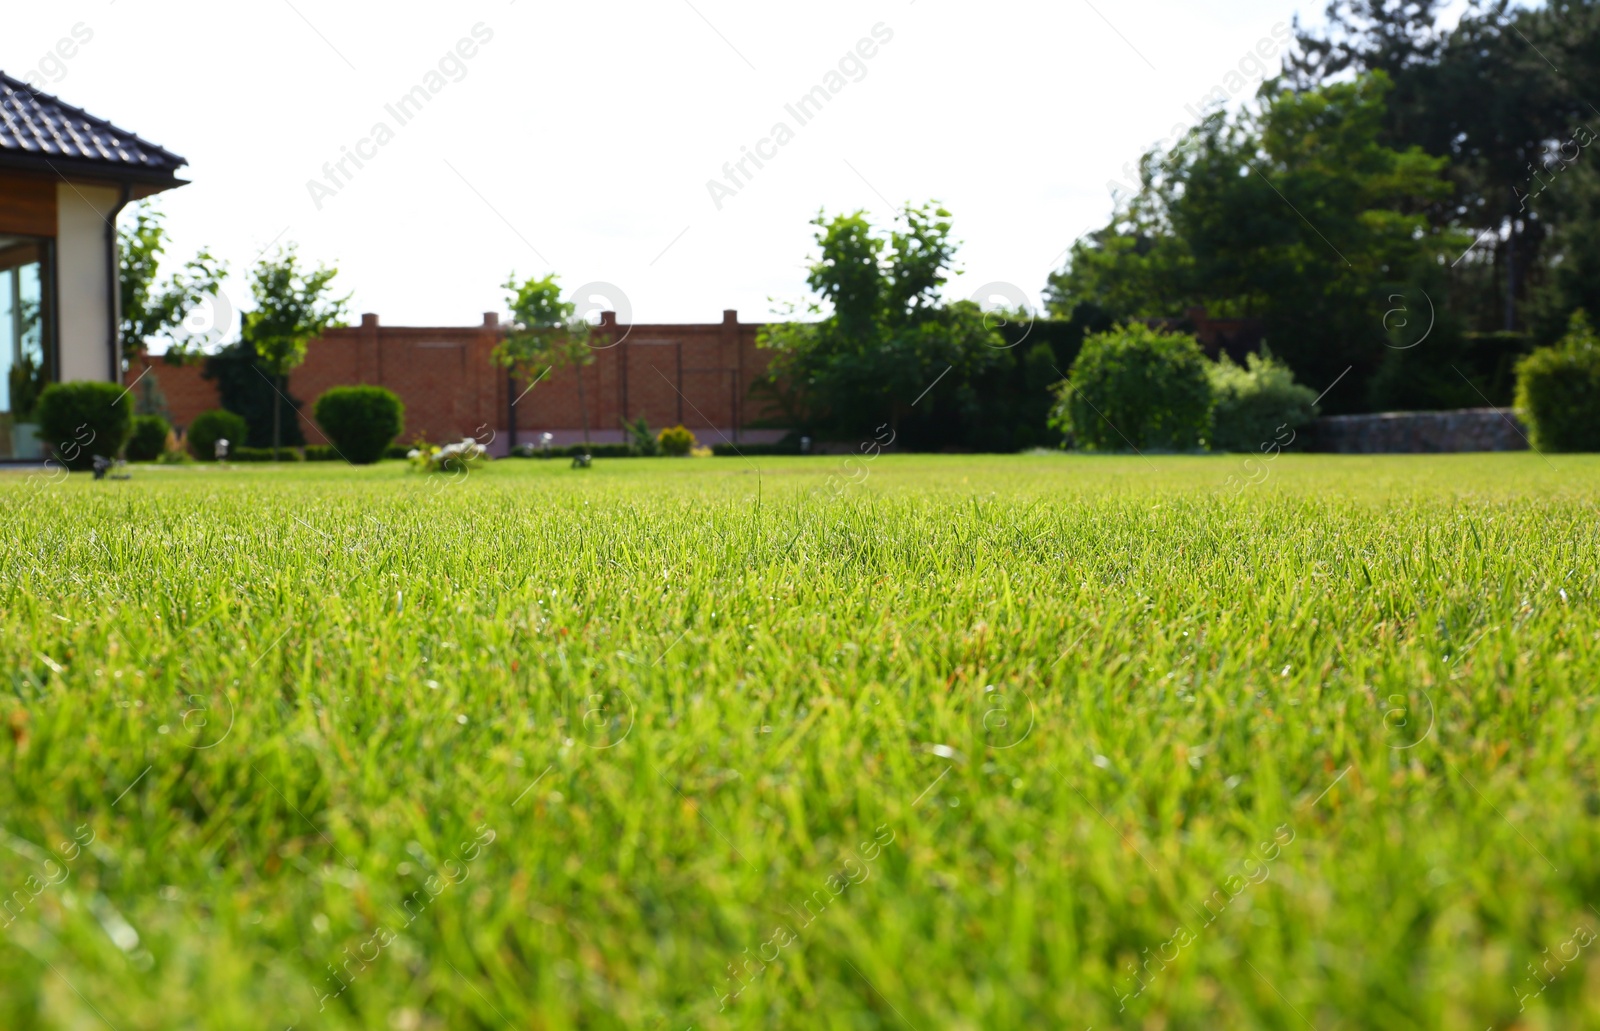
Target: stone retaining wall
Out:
[1465,429]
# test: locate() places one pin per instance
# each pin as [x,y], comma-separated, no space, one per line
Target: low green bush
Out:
[1558,390]
[148,441]
[264,454]
[676,441]
[80,420]
[573,450]
[1135,387]
[750,450]
[1258,404]
[327,453]
[210,427]
[360,421]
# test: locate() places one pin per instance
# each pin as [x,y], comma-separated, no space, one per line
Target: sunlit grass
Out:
[977,743]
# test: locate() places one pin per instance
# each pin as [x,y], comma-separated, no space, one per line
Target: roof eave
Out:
[80,170]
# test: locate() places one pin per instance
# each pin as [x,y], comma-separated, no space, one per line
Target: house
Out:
[64,177]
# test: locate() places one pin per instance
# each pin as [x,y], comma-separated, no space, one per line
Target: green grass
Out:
[547,748]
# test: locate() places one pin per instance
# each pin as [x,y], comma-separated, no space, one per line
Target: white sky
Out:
[591,129]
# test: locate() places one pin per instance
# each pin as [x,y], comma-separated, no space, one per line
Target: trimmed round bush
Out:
[80,420]
[676,441]
[1257,404]
[149,438]
[1558,390]
[210,427]
[1139,388]
[360,421]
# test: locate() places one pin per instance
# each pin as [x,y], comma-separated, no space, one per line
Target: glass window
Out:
[26,337]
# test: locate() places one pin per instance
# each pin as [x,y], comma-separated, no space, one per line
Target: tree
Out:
[157,311]
[293,307]
[247,391]
[545,336]
[1572,282]
[1396,37]
[1497,95]
[1293,212]
[884,335]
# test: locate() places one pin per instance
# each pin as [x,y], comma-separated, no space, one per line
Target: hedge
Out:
[597,450]
[747,450]
[327,453]
[628,451]
[80,420]
[263,454]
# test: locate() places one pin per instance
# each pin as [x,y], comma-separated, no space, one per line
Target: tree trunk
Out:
[1511,276]
[511,410]
[583,409]
[277,416]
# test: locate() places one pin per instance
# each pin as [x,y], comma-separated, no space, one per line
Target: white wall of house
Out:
[82,268]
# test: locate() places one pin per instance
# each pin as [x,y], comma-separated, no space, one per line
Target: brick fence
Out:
[697,375]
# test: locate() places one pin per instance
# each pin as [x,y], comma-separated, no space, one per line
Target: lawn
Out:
[975,742]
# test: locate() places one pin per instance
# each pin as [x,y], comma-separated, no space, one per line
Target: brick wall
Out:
[699,375]
[185,393]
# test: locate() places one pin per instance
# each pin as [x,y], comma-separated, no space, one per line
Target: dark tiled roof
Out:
[38,126]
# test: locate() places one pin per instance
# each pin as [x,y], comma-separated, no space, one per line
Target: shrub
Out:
[264,454]
[640,440]
[210,427]
[326,453]
[751,450]
[1256,402]
[78,421]
[676,441]
[1558,390]
[595,451]
[1136,387]
[1452,369]
[572,450]
[148,440]
[360,421]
